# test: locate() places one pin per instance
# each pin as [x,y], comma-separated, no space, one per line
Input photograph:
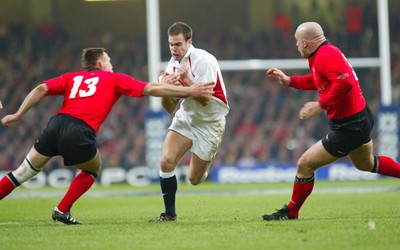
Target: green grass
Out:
[210,216]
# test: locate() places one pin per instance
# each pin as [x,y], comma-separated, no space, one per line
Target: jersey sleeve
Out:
[305,82]
[129,86]
[340,74]
[57,85]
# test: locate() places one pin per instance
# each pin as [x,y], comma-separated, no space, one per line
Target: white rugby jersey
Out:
[202,67]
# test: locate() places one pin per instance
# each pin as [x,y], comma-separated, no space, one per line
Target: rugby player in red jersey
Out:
[351,121]
[89,96]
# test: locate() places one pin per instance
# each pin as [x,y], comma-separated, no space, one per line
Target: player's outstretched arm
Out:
[169,103]
[277,74]
[1,105]
[203,100]
[162,89]
[35,96]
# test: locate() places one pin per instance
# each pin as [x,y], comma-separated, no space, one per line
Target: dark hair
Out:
[180,28]
[90,56]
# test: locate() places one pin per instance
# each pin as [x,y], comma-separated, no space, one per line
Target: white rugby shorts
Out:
[205,135]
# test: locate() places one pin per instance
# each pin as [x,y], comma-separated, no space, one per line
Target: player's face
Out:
[178,46]
[300,44]
[106,63]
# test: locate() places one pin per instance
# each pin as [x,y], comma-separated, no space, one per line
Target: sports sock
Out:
[302,188]
[387,166]
[79,185]
[169,186]
[204,177]
[7,184]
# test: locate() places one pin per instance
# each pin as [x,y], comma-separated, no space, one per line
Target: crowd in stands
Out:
[263,124]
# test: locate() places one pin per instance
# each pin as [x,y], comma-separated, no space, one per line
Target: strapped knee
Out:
[375,168]
[93,174]
[304,180]
[25,171]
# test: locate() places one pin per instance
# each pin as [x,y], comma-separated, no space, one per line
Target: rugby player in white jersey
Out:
[198,124]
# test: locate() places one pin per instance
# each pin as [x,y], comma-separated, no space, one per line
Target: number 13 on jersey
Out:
[91,87]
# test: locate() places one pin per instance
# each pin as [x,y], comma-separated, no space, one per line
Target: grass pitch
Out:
[210,216]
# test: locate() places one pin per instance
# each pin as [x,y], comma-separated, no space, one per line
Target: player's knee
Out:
[167,164]
[303,166]
[366,166]
[195,180]
[91,166]
[25,171]
[302,163]
[95,170]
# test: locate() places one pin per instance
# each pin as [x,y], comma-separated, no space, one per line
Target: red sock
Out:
[79,185]
[6,186]
[388,167]
[301,190]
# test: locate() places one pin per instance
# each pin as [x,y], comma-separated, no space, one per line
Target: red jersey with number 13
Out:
[90,95]
[334,78]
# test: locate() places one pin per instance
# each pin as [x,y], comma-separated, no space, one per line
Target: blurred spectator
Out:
[354,26]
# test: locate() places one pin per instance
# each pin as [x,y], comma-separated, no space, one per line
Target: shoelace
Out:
[70,218]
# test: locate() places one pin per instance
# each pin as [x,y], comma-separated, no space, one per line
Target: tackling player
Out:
[89,96]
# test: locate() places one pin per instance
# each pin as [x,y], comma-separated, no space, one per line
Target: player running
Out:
[351,120]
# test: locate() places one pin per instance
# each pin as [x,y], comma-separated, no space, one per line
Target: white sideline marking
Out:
[273,191]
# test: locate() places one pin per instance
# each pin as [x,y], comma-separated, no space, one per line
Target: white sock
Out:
[167,175]
[204,176]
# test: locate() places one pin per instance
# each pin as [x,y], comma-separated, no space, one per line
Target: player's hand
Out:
[6,120]
[310,109]
[278,75]
[169,79]
[183,73]
[1,105]
[202,89]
